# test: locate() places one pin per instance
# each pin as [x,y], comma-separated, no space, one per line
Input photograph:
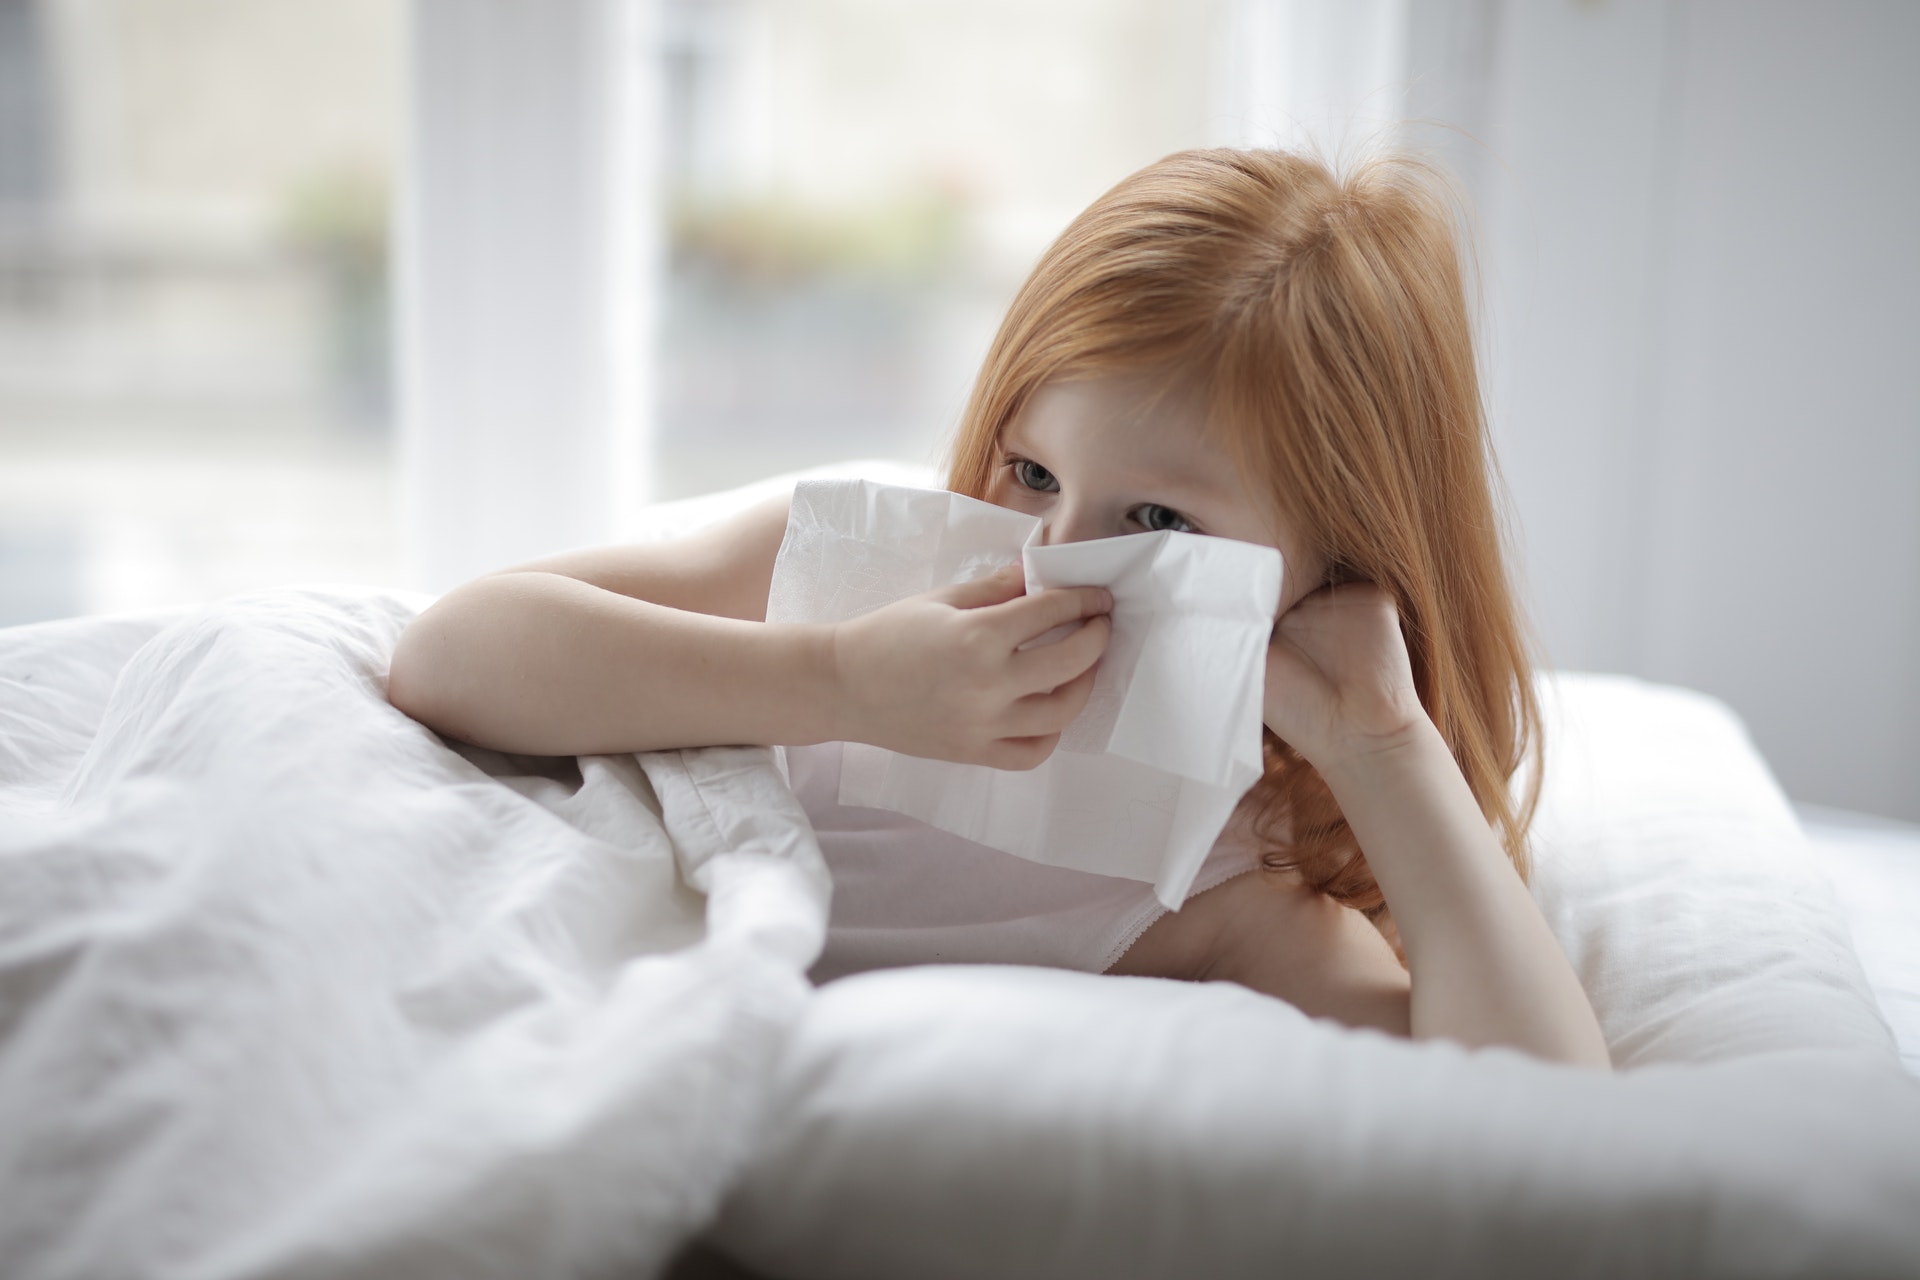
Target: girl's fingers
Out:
[1049,713]
[1048,666]
[1021,620]
[999,587]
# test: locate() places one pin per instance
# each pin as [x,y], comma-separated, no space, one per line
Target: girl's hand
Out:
[1339,682]
[1485,968]
[943,675]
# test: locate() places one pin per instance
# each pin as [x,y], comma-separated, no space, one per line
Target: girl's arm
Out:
[1485,968]
[639,648]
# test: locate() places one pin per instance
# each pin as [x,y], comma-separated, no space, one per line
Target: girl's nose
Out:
[1070,523]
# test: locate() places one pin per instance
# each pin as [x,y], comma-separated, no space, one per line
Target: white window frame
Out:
[527,257]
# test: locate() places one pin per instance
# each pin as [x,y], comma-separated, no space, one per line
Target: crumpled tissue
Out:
[1147,775]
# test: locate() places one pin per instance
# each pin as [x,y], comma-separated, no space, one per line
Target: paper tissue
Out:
[1146,777]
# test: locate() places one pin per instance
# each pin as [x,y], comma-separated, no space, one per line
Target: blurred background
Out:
[395,292]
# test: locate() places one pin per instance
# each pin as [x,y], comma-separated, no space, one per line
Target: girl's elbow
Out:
[414,678]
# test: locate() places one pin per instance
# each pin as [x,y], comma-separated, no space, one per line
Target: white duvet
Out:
[290,987]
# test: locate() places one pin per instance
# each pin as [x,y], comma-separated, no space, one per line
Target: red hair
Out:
[1325,320]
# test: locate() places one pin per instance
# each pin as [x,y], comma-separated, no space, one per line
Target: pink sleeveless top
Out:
[906,893]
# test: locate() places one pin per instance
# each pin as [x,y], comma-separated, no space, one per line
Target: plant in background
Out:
[339,220]
[769,242]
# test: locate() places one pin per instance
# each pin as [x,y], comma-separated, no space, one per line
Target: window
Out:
[194,369]
[854,190]
[642,248]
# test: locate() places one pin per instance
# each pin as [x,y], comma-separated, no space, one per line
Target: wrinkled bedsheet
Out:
[291,986]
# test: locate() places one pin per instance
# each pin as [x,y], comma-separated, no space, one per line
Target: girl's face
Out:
[1104,456]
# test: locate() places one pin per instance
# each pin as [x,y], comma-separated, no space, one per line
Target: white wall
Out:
[1702,259]
[1789,485]
[1570,203]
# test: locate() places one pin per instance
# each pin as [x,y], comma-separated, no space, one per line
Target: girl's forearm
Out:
[1486,969]
[548,665]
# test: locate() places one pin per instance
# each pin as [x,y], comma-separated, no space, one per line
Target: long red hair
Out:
[1325,319]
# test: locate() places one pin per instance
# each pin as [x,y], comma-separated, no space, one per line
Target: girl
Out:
[1235,343]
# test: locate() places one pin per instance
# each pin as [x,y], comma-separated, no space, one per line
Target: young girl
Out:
[1235,343]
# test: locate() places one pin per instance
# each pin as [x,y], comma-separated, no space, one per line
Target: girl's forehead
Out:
[1127,426]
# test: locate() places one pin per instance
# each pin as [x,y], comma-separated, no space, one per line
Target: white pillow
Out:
[1004,1122]
[1682,887]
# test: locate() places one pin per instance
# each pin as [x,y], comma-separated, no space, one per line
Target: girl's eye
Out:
[1034,476]
[1155,518]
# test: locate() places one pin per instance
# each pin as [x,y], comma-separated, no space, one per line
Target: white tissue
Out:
[1146,777]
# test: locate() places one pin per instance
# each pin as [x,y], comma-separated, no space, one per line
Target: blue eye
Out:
[1033,476]
[1155,518]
